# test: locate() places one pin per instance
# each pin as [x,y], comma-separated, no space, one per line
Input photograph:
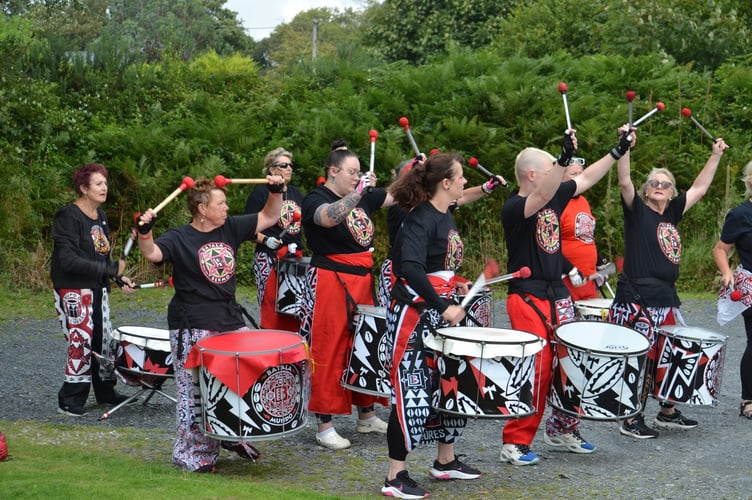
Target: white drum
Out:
[689,365]
[599,370]
[485,372]
[592,309]
[143,352]
[370,354]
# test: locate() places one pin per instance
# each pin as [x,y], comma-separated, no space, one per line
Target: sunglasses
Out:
[664,184]
[578,161]
[284,165]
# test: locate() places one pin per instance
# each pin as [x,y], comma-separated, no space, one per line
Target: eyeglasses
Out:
[663,184]
[284,165]
[578,161]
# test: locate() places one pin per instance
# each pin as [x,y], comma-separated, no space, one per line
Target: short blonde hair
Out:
[530,159]
[747,178]
[271,158]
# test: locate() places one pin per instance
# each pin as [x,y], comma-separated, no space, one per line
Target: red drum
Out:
[370,354]
[254,384]
[598,370]
[143,354]
[689,365]
[479,308]
[592,309]
[291,273]
[485,372]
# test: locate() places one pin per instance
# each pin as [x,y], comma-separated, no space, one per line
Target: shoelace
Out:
[406,479]
[524,449]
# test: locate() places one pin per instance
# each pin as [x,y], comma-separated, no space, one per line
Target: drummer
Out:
[203,254]
[583,263]
[531,228]
[646,298]
[269,245]
[427,253]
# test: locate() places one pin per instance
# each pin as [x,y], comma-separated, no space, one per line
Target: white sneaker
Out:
[518,454]
[375,425]
[571,442]
[333,441]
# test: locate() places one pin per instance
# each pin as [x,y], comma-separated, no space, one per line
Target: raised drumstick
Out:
[688,113]
[658,107]
[406,125]
[473,162]
[630,98]
[563,89]
[222,181]
[490,270]
[186,184]
[373,135]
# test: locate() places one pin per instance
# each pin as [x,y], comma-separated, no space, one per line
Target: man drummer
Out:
[531,220]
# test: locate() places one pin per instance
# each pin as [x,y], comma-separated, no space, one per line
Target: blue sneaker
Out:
[571,442]
[518,454]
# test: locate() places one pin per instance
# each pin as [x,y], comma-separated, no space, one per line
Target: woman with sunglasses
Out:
[646,297]
[270,246]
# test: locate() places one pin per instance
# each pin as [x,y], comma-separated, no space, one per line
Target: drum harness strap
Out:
[322,262]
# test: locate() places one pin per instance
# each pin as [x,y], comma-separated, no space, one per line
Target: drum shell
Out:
[291,276]
[592,309]
[598,370]
[370,355]
[269,401]
[689,365]
[143,352]
[480,378]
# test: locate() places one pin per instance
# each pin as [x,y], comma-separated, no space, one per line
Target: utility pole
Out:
[315,37]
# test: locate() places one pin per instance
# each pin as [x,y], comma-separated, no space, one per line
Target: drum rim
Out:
[599,351]
[211,350]
[668,331]
[534,339]
[141,336]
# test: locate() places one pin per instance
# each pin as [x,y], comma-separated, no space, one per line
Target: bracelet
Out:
[146,236]
[485,189]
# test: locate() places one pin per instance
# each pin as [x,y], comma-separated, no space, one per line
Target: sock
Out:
[325,432]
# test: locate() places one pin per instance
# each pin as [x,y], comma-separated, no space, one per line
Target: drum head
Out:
[605,338]
[144,336]
[694,333]
[593,304]
[480,342]
[374,311]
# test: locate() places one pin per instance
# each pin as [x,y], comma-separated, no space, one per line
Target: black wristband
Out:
[276,188]
[144,227]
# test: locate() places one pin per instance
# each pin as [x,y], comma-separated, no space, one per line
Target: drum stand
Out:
[149,382]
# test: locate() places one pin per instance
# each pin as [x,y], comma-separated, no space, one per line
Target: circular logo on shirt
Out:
[669,241]
[547,231]
[584,227]
[217,261]
[99,238]
[360,226]
[286,220]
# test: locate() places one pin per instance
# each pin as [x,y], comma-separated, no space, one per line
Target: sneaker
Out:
[453,470]
[375,425]
[638,429]
[206,469]
[333,441]
[243,449]
[674,421]
[72,410]
[572,442]
[403,486]
[518,454]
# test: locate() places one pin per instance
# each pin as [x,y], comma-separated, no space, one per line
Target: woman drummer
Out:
[203,254]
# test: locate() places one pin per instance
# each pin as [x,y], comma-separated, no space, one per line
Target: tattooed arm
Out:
[331,214]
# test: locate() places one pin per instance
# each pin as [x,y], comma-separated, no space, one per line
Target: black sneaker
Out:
[638,429]
[403,486]
[453,470]
[72,410]
[243,449]
[674,421]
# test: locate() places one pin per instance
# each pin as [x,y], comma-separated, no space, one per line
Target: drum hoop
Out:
[595,350]
[533,339]
[721,339]
[300,341]
[121,332]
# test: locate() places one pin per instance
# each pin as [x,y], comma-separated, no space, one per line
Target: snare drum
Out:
[592,309]
[485,372]
[144,353]
[291,273]
[689,365]
[253,384]
[370,354]
[598,370]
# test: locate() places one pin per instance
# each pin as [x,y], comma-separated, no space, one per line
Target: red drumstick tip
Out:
[187,182]
[660,106]
[404,122]
[321,180]
[169,281]
[221,181]
[373,135]
[686,112]
[434,151]
[524,272]
[136,216]
[473,162]
[491,269]
[563,87]
[296,216]
[630,95]
[736,295]
[619,261]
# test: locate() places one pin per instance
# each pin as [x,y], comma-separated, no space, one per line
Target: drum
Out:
[479,308]
[485,372]
[253,384]
[689,365]
[598,370]
[592,309]
[143,354]
[370,355]
[291,273]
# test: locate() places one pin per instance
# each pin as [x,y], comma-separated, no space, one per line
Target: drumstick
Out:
[373,134]
[489,270]
[222,181]
[563,90]
[186,184]
[156,284]
[523,272]
[658,107]
[473,162]
[630,98]
[132,238]
[406,125]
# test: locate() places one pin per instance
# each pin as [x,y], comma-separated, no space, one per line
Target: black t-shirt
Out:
[292,201]
[204,268]
[428,243]
[737,230]
[535,242]
[353,235]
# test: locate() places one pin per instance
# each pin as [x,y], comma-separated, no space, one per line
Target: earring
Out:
[201,221]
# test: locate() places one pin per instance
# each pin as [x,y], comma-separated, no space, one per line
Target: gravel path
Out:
[710,461]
